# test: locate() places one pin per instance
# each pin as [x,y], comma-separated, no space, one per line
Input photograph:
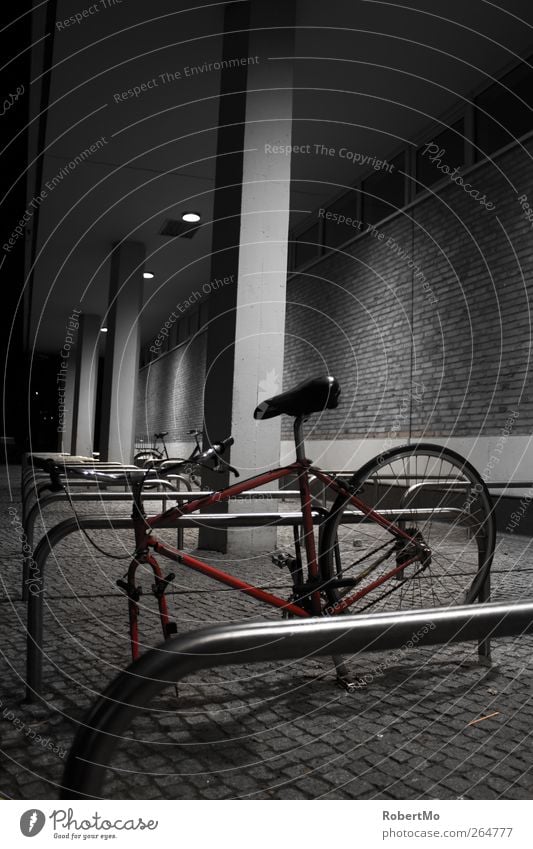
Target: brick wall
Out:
[407,365]
[171,393]
[349,315]
[456,367]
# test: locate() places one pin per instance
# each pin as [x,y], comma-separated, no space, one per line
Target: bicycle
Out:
[414,525]
[153,452]
[152,458]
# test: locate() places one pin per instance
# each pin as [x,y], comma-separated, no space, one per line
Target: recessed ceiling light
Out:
[103,330]
[148,275]
[190,217]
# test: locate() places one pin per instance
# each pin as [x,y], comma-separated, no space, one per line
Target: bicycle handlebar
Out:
[217,449]
[214,453]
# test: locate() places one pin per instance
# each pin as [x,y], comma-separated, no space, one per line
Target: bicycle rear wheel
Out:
[439,499]
[148,456]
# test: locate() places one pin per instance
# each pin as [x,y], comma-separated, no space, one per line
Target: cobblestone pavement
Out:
[267,731]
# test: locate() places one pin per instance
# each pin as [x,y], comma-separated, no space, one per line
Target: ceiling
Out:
[368,75]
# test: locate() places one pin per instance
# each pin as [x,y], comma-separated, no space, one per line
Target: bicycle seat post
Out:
[299,438]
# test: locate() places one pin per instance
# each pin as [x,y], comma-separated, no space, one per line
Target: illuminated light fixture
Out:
[103,330]
[190,217]
[148,275]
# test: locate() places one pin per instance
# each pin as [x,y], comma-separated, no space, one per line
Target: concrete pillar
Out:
[66,381]
[247,320]
[84,402]
[68,384]
[122,353]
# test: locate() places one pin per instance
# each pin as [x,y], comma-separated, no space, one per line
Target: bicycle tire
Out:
[148,454]
[440,496]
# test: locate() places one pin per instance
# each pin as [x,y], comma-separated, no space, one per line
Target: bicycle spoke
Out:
[434,484]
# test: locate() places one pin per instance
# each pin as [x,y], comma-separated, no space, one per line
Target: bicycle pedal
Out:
[276,558]
[281,559]
[170,628]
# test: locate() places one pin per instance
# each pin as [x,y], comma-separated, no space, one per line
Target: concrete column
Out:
[66,381]
[262,278]
[84,402]
[247,320]
[69,386]
[122,353]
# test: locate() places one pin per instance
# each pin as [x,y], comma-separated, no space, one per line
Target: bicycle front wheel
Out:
[435,496]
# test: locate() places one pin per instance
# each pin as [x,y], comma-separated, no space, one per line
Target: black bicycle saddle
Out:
[320,393]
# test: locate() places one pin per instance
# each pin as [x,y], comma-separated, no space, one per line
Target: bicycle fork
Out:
[134,593]
[130,587]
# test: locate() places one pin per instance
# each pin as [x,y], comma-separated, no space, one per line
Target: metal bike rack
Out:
[46,498]
[36,572]
[102,729]
[36,566]
[49,498]
[35,478]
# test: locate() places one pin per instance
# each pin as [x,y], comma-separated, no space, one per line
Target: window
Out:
[450,141]
[515,117]
[343,222]
[307,246]
[384,191]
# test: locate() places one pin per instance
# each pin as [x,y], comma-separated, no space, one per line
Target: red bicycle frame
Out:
[302,468]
